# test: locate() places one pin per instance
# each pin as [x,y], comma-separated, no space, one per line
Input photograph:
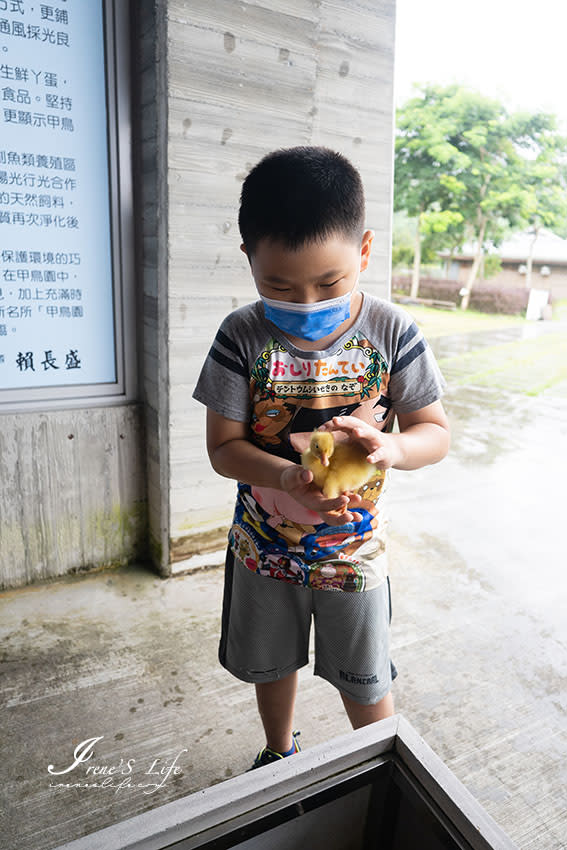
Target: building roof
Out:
[549,248]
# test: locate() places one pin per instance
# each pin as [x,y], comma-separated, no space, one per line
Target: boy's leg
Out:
[352,651]
[276,702]
[361,715]
[257,611]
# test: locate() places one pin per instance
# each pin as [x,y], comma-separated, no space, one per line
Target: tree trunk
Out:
[529,263]
[416,261]
[449,262]
[474,268]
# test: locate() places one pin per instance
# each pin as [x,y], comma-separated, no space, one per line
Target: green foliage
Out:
[545,186]
[439,221]
[464,165]
[403,240]
[491,266]
[402,256]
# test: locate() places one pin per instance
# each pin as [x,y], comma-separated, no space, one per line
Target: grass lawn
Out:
[529,366]
[435,322]
[560,311]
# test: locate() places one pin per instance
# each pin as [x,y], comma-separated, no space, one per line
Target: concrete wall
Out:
[150,129]
[72,489]
[244,78]
[72,492]
[556,282]
[509,275]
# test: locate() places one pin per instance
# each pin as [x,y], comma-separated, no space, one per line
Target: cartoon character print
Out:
[292,561]
[294,533]
[269,418]
[243,547]
[304,541]
[248,512]
[371,381]
[257,524]
[337,574]
[352,373]
[370,494]
[372,490]
[283,568]
[327,541]
[279,506]
[382,408]
[290,396]
[270,563]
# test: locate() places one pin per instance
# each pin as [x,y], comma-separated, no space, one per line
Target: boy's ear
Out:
[244,251]
[366,248]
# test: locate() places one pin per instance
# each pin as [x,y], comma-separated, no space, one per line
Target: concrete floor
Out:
[479,637]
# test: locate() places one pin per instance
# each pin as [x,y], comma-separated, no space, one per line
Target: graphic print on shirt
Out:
[290,396]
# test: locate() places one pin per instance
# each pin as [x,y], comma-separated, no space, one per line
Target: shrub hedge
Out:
[486,297]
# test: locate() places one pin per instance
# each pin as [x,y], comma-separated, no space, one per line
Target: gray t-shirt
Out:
[253,374]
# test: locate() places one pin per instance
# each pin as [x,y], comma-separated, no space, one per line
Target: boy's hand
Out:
[383,449]
[298,482]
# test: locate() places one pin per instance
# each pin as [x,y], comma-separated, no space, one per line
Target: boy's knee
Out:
[362,714]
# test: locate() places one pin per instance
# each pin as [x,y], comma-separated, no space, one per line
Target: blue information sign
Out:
[56,282]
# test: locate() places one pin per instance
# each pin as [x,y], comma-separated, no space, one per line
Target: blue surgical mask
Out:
[308,321]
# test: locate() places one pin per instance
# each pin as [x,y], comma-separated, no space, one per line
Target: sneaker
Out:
[268,756]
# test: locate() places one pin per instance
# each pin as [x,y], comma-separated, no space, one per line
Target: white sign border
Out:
[124,389]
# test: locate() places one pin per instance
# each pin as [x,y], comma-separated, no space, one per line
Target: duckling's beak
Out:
[324,458]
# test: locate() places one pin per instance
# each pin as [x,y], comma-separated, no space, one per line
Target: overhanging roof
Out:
[548,248]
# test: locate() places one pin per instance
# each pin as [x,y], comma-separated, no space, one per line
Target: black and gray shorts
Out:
[266,624]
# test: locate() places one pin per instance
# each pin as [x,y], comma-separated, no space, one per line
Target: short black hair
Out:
[301,195]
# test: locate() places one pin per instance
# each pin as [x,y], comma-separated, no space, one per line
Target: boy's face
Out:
[316,272]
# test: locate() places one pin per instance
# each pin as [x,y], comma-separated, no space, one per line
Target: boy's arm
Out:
[423,439]
[233,455]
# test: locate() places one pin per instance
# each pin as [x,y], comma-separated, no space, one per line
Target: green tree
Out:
[546,185]
[458,151]
[403,240]
[437,228]
[424,162]
[441,229]
[495,197]
[491,266]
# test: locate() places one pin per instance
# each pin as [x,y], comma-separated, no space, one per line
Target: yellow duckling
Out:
[337,467]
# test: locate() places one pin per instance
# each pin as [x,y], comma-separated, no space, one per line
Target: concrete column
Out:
[232,81]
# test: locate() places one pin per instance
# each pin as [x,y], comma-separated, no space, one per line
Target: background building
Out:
[549,262]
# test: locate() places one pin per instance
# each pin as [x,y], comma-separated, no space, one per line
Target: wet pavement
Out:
[479,636]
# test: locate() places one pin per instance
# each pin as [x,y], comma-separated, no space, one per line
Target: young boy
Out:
[313,351]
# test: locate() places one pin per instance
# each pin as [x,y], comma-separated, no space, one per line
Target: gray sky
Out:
[513,50]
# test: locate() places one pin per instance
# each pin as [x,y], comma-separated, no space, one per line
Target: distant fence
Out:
[486,297]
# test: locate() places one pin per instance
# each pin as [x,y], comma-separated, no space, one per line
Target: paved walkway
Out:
[479,637]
